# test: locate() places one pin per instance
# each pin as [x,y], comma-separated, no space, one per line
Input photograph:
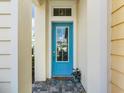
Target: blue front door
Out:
[62,49]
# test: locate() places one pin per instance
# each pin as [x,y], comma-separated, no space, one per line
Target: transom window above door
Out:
[62,11]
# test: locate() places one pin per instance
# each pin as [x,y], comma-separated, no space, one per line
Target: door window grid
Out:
[62,45]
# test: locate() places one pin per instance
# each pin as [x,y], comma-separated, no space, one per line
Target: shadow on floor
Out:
[57,86]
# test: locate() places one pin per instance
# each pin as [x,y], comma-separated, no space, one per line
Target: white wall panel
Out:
[8,46]
[5,47]
[5,87]
[5,61]
[40,44]
[96,47]
[5,34]
[5,75]
[82,65]
[5,7]
[5,21]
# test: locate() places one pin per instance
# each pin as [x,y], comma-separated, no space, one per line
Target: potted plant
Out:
[76,75]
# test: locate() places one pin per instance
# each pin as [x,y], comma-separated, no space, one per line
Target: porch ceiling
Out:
[38,2]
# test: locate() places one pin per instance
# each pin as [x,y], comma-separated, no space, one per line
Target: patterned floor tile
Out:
[58,86]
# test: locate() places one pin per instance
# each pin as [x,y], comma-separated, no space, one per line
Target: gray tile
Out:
[57,86]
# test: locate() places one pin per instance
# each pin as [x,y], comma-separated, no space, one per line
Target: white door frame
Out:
[72,4]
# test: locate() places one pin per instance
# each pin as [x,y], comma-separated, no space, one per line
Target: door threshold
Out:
[62,78]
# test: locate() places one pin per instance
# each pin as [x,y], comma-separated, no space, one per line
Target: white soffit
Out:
[38,2]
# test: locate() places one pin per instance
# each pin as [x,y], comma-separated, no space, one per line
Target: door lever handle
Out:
[54,52]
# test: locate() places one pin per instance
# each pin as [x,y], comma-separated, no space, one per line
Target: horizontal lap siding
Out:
[5,87]
[118,63]
[5,61]
[117,47]
[5,8]
[5,34]
[6,20]
[116,89]
[116,4]
[118,32]
[118,17]
[5,77]
[7,46]
[118,79]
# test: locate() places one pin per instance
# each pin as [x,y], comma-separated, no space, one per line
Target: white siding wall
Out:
[40,43]
[82,41]
[96,36]
[8,46]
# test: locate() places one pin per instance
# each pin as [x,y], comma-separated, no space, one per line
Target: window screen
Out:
[62,12]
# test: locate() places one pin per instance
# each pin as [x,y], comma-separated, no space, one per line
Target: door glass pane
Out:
[62,43]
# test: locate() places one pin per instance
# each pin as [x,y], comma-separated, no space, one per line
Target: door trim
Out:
[69,52]
[49,62]
[58,19]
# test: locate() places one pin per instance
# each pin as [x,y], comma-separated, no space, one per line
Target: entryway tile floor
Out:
[57,86]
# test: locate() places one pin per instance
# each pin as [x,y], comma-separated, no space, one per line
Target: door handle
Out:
[54,52]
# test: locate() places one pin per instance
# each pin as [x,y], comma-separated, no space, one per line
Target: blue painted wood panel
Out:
[62,49]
